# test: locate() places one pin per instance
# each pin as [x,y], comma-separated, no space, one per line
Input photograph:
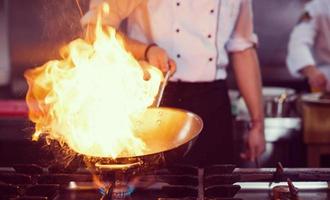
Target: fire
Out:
[90,99]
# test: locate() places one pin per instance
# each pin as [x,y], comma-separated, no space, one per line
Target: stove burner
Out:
[118,188]
[121,191]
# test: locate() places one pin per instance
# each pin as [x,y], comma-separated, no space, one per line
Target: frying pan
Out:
[168,133]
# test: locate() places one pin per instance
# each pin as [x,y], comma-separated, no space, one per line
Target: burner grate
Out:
[179,182]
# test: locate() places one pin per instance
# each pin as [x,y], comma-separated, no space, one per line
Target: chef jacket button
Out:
[210,59]
[177,30]
[212,11]
[178,56]
[209,35]
[177,3]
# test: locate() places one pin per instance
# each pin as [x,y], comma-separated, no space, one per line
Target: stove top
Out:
[171,183]
[180,182]
[262,183]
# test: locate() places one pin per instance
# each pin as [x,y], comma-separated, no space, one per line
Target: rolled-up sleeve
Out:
[300,47]
[243,36]
[301,43]
[119,10]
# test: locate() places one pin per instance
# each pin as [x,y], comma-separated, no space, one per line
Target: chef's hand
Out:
[255,142]
[316,79]
[158,57]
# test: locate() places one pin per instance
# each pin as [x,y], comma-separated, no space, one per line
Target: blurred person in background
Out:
[309,46]
[196,39]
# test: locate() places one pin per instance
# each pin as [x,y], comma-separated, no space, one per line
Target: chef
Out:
[309,46]
[196,39]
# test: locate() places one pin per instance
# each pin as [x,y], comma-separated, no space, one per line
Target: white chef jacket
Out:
[197,34]
[310,40]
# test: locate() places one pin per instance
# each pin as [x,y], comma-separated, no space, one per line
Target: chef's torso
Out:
[191,31]
[197,34]
[320,10]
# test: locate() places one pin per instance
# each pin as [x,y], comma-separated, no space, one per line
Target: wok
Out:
[168,133]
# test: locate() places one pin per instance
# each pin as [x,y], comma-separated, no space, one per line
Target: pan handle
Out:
[162,88]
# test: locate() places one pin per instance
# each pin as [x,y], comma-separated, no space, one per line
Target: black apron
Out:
[210,101]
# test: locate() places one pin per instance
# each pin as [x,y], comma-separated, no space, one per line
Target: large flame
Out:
[89,99]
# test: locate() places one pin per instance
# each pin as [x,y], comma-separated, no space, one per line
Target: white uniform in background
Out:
[310,40]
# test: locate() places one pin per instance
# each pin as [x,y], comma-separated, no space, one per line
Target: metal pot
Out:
[279,102]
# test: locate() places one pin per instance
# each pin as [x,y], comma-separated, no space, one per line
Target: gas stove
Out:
[170,183]
[179,182]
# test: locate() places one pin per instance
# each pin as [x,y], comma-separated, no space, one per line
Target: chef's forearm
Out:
[308,71]
[137,48]
[247,72]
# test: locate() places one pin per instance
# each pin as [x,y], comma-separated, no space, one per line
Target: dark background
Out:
[34,30]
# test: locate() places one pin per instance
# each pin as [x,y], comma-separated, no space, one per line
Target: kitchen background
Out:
[31,32]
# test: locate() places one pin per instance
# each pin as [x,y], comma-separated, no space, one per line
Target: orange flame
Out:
[89,99]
